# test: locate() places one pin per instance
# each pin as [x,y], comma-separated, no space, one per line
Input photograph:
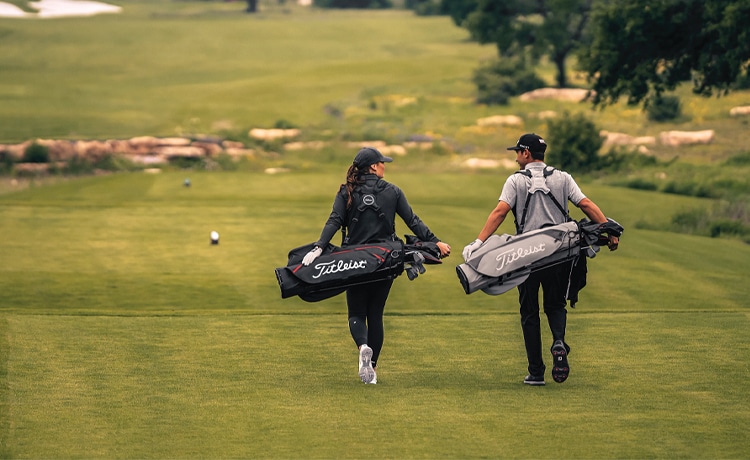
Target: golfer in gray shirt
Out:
[538,195]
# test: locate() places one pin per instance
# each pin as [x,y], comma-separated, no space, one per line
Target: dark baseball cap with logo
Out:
[369,156]
[530,141]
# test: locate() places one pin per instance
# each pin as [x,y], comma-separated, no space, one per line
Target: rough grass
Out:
[124,333]
[213,69]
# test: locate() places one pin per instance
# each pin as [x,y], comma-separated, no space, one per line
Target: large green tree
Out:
[531,28]
[642,48]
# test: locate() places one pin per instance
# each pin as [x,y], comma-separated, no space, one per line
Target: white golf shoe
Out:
[366,372]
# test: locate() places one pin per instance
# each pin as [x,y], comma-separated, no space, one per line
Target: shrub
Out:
[729,187]
[739,160]
[678,188]
[187,162]
[362,4]
[77,166]
[694,221]
[728,227]
[499,80]
[115,163]
[689,188]
[663,108]
[6,162]
[226,162]
[575,143]
[36,153]
[641,184]
[727,219]
[616,161]
[284,124]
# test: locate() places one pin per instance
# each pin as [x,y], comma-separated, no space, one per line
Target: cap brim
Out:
[515,147]
[386,159]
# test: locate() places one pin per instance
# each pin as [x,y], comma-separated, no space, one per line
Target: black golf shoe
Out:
[560,368]
[533,380]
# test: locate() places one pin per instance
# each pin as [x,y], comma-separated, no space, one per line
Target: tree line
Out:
[637,49]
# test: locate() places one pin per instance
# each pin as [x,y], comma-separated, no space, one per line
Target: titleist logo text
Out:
[327,268]
[508,257]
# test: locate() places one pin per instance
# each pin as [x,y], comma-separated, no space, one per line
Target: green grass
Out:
[135,228]
[285,386]
[125,334]
[194,67]
[169,68]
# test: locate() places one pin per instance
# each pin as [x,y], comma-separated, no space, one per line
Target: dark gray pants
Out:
[366,303]
[554,284]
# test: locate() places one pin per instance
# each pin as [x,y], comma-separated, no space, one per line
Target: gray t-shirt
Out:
[541,210]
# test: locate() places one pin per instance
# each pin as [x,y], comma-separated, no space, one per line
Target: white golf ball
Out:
[214,236]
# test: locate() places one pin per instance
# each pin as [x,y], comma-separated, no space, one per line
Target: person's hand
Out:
[312,255]
[445,249]
[471,247]
[613,242]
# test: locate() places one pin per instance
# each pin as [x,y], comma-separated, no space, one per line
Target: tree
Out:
[554,28]
[497,81]
[642,48]
[457,9]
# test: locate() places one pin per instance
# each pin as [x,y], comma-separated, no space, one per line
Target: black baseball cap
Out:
[530,141]
[369,156]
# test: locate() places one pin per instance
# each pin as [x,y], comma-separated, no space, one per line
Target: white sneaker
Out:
[374,379]
[366,372]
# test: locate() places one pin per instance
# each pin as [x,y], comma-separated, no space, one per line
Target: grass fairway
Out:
[125,334]
[285,386]
[169,68]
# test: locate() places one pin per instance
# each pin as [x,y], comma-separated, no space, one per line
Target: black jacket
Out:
[371,218]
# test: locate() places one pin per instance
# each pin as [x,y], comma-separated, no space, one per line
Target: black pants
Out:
[554,283]
[366,303]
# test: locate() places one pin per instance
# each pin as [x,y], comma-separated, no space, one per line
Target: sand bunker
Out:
[58,8]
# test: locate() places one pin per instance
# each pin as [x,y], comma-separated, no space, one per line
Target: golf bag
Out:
[504,261]
[338,268]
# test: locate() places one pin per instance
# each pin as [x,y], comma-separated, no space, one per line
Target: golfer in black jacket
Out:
[365,209]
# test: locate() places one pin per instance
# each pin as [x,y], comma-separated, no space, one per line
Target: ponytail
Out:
[352,180]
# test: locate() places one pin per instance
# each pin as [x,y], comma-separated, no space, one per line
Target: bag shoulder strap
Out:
[365,197]
[538,184]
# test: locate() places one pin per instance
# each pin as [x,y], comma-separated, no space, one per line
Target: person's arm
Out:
[335,221]
[333,224]
[593,212]
[416,225]
[496,217]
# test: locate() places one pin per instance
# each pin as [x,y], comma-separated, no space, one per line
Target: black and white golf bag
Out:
[505,261]
[338,268]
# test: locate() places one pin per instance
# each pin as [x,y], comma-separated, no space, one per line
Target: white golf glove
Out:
[312,255]
[471,247]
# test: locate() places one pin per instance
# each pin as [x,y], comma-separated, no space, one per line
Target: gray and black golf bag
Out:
[338,268]
[505,261]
